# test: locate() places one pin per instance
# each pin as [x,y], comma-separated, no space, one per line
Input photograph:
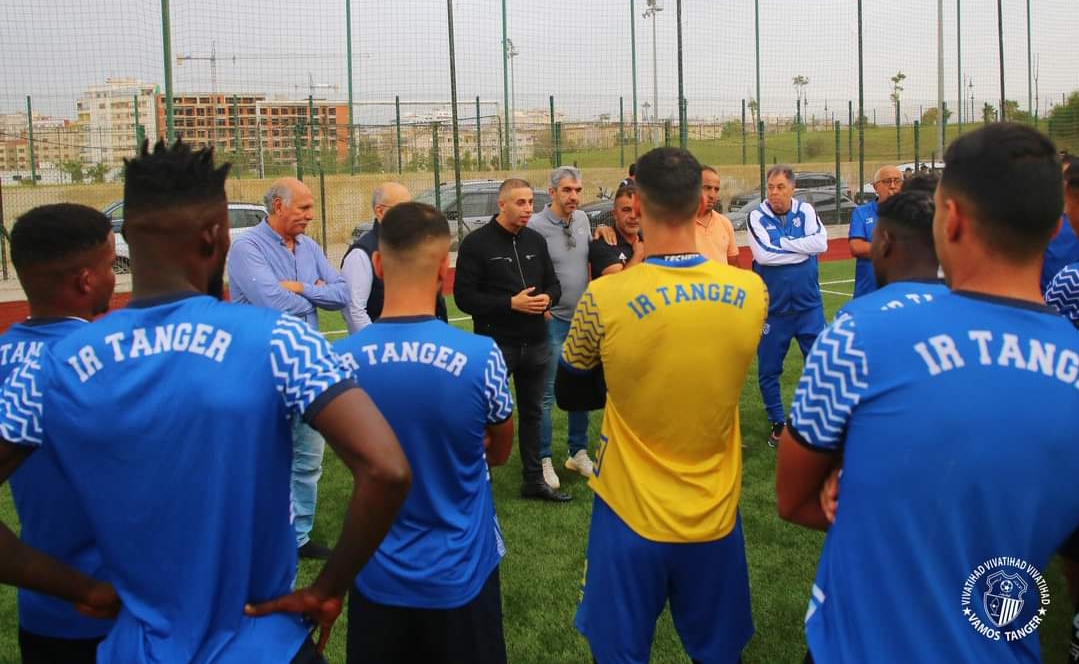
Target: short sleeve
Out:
[1063,293]
[832,384]
[581,352]
[601,256]
[496,387]
[22,408]
[306,371]
[857,226]
[732,240]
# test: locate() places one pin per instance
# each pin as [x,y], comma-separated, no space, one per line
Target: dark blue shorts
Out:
[628,579]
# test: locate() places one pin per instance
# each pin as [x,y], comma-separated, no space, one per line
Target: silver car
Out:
[242,217]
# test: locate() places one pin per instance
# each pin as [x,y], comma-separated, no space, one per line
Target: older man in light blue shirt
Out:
[275,265]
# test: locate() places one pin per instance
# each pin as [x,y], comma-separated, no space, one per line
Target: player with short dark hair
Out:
[943,490]
[170,418]
[63,256]
[431,593]
[903,257]
[665,522]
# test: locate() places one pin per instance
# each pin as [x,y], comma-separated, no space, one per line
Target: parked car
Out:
[242,217]
[479,202]
[822,200]
[806,180]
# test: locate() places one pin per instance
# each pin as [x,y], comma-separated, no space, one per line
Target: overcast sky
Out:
[577,50]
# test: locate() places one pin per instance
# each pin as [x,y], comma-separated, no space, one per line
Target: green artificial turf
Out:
[541,572]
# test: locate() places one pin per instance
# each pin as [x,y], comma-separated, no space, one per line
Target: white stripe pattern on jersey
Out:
[1063,293]
[22,410]
[304,366]
[496,386]
[832,384]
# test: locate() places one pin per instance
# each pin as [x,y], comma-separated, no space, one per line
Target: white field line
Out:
[832,292]
[838,281]
[342,333]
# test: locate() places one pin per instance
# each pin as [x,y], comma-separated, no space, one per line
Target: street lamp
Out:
[654,8]
[511,53]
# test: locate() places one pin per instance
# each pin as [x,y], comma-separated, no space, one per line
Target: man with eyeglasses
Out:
[567,231]
[887,183]
[628,250]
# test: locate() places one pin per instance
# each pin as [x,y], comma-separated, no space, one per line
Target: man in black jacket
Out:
[506,280]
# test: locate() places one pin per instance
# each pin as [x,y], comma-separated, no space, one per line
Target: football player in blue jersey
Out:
[903,258]
[63,256]
[431,593]
[170,418]
[921,405]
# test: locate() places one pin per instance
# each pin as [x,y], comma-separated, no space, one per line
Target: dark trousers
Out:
[308,654]
[37,649]
[470,634]
[527,363]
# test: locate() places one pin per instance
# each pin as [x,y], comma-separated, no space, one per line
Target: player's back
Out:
[167,417]
[677,340]
[959,461]
[896,295]
[51,518]
[438,389]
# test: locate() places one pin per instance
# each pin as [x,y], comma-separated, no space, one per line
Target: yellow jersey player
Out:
[664,350]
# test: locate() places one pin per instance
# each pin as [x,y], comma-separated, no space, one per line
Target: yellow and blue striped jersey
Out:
[675,340]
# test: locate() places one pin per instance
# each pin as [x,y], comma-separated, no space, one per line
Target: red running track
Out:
[13,312]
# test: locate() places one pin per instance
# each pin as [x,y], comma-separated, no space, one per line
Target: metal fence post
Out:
[557,144]
[166,55]
[621,133]
[917,144]
[453,114]
[554,138]
[30,135]
[743,132]
[479,137]
[798,129]
[397,106]
[838,175]
[436,157]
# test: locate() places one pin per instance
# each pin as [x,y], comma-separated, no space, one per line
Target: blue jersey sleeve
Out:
[22,408]
[1063,293]
[857,230]
[496,387]
[833,382]
[306,371]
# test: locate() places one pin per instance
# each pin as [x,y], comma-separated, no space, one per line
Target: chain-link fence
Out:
[346,94]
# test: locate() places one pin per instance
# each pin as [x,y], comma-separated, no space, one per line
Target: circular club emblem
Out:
[1005,598]
[767,329]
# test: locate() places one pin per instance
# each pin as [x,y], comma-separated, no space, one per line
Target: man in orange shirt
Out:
[715,233]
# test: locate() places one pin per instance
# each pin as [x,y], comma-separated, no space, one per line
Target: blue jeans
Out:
[307,448]
[557,330]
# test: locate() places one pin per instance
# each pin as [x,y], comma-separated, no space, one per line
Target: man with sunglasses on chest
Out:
[566,230]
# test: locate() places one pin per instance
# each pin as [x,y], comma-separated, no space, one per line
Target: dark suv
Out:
[801,181]
[479,202]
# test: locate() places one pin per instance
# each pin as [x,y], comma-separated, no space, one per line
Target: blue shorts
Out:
[628,579]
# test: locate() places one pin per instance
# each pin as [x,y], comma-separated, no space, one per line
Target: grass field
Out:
[546,544]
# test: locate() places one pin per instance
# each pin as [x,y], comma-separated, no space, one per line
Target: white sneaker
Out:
[580,463]
[549,475]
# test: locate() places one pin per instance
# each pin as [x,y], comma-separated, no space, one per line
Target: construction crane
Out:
[212,59]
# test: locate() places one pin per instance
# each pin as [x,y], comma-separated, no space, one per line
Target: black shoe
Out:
[544,492]
[773,437]
[313,551]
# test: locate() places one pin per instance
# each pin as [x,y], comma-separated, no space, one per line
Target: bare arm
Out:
[801,474]
[26,567]
[499,442]
[859,248]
